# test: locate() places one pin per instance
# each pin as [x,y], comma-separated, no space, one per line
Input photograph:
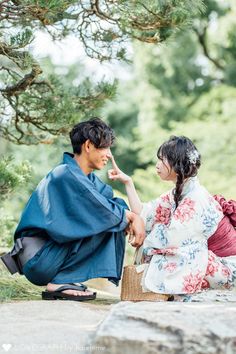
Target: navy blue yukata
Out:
[83,225]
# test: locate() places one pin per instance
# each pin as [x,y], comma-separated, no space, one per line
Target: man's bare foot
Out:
[54,287]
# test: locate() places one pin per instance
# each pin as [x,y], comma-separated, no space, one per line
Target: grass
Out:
[16,287]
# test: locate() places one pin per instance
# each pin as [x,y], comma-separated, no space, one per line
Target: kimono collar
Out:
[189,185]
[68,159]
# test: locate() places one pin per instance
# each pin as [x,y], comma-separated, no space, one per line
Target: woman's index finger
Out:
[114,162]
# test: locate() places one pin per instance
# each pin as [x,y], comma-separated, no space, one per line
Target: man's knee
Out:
[37,275]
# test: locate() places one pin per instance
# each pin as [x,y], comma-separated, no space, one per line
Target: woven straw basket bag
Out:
[131,289]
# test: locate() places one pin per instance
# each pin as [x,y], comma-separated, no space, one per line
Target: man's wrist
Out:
[130,216]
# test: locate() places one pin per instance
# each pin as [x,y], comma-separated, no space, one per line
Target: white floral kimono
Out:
[175,247]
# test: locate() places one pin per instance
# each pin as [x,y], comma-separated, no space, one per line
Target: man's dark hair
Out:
[95,130]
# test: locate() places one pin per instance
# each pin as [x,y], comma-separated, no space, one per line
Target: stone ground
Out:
[205,326]
[52,326]
[168,328]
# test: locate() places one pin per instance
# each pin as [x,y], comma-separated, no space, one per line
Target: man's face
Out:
[98,158]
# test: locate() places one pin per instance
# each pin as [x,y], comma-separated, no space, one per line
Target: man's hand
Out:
[137,232]
[128,231]
[115,174]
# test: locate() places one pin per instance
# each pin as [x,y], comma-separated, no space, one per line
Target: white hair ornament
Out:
[193,156]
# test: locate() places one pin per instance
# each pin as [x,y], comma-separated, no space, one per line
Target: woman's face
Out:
[164,170]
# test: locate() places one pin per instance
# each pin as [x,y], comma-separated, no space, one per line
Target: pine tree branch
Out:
[24,83]
[140,20]
[38,107]
[203,42]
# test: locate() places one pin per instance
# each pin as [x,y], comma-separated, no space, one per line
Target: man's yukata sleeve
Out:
[106,190]
[79,210]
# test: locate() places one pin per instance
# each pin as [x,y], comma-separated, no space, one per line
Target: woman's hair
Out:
[183,157]
[95,130]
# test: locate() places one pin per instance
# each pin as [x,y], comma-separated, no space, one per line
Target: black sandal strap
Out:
[80,284]
[69,287]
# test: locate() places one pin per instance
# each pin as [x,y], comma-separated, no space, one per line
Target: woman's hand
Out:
[115,174]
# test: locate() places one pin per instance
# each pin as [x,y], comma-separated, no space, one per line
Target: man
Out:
[73,222]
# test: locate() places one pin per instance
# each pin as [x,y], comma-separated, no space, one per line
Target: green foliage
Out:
[54,105]
[180,89]
[7,226]
[217,105]
[49,5]
[148,184]
[217,148]
[155,21]
[34,105]
[41,158]
[12,176]
[21,39]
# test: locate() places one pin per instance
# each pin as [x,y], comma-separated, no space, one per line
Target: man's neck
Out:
[83,164]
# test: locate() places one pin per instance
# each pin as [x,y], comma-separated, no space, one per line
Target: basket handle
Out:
[138,255]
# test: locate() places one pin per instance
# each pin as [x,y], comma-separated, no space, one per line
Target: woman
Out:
[178,226]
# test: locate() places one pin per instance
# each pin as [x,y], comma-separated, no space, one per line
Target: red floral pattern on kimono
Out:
[192,283]
[212,266]
[185,210]
[205,284]
[175,247]
[162,215]
[165,198]
[170,267]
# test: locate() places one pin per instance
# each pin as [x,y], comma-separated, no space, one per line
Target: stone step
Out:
[204,327]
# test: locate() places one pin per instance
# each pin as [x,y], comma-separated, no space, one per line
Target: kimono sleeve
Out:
[78,210]
[106,190]
[172,229]
[178,248]
[149,210]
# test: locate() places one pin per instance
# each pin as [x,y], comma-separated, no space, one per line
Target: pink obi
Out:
[223,241]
